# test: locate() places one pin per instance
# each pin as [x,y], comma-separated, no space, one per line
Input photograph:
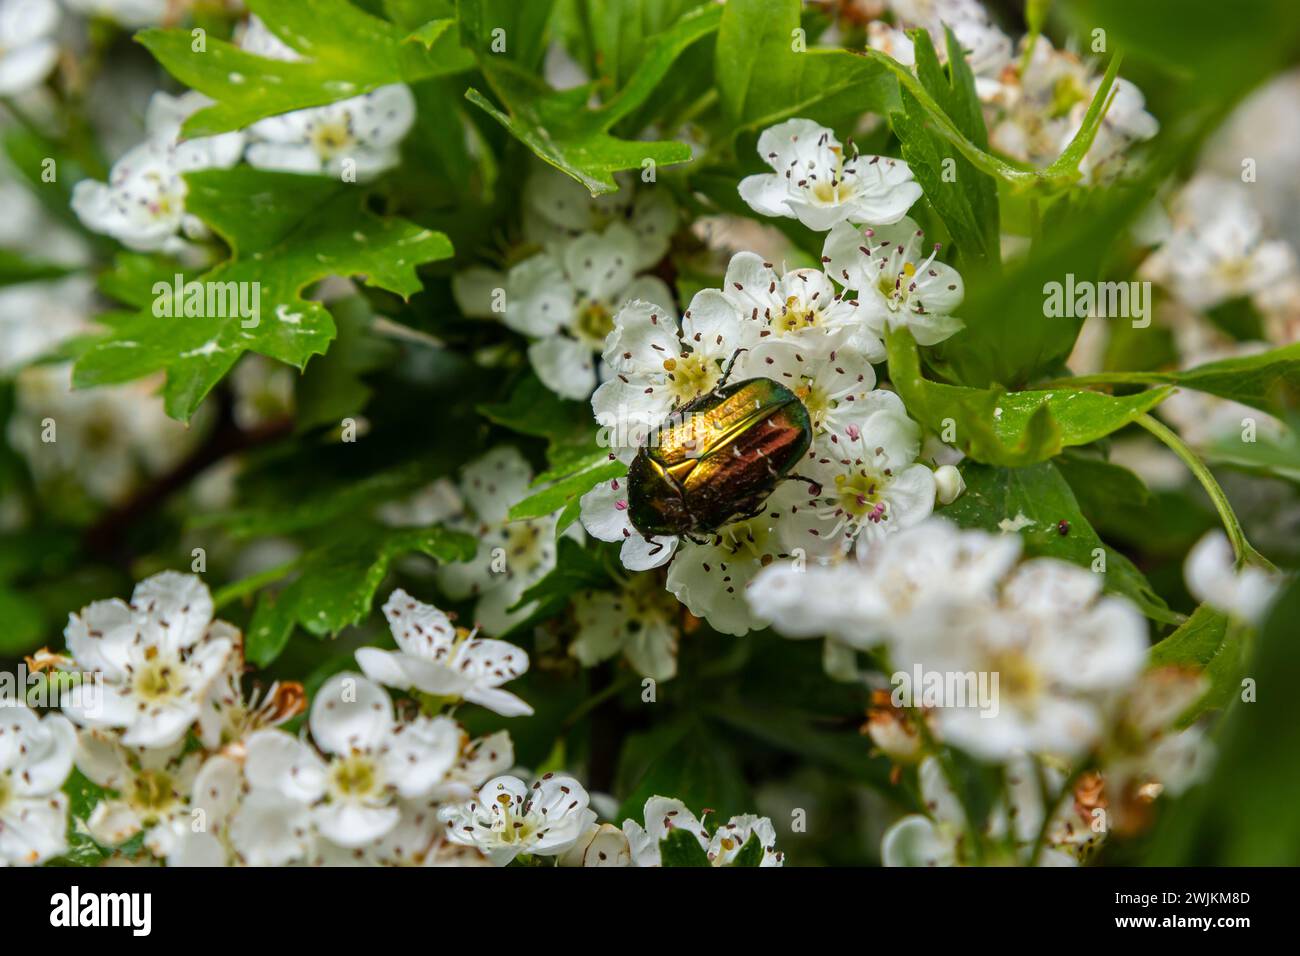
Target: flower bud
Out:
[948,484]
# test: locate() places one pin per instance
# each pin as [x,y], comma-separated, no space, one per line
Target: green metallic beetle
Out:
[717,458]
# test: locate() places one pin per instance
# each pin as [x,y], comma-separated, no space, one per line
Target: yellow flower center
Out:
[858,494]
[355,776]
[690,376]
[816,401]
[795,316]
[1017,677]
[152,793]
[595,322]
[328,138]
[156,680]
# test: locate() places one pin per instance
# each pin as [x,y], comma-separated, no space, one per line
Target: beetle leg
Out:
[726,372]
[814,486]
[656,546]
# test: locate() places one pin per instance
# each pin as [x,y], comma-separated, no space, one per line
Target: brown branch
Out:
[106,539]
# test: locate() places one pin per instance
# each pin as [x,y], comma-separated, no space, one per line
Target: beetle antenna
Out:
[815,487]
[726,372]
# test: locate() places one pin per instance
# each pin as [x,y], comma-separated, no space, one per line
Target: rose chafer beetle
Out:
[716,458]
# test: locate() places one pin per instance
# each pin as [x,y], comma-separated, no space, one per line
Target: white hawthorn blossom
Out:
[35,759]
[1061,651]
[638,620]
[435,658]
[153,660]
[663,815]
[420,837]
[28,49]
[868,482]
[801,308]
[106,440]
[987,48]
[143,203]
[153,786]
[1033,114]
[358,137]
[1219,248]
[346,789]
[899,283]
[859,603]
[557,207]
[512,555]
[818,184]
[1214,578]
[508,817]
[229,715]
[565,301]
[35,317]
[658,365]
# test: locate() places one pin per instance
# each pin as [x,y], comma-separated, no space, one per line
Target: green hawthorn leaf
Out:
[762,79]
[485,25]
[285,232]
[349,51]
[133,275]
[430,33]
[337,581]
[751,854]
[1038,503]
[83,796]
[1010,428]
[1067,164]
[560,494]
[682,848]
[1245,814]
[327,503]
[965,197]
[690,758]
[1110,496]
[561,130]
[1212,643]
[533,409]
[24,622]
[1269,381]
[619,29]
[16,268]
[334,386]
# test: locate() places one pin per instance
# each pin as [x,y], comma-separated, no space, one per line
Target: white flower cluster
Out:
[1068,662]
[552,818]
[1032,109]
[143,203]
[204,775]
[804,330]
[593,259]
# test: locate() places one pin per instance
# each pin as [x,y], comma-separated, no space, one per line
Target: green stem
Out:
[1109,378]
[1052,807]
[1245,553]
[25,121]
[246,586]
[944,756]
